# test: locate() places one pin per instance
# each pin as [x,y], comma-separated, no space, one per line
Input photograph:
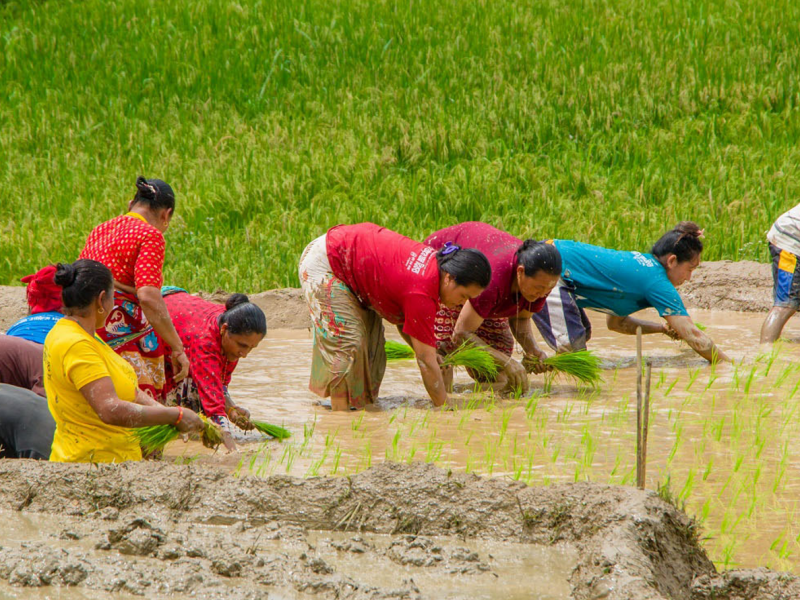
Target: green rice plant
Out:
[474,357]
[279,433]
[700,326]
[398,351]
[154,437]
[583,366]
[211,435]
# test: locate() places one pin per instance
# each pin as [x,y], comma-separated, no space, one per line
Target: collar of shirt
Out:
[136,216]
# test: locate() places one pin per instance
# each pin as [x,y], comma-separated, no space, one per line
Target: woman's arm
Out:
[239,415]
[697,340]
[157,314]
[468,322]
[522,329]
[102,397]
[429,369]
[628,325]
[144,399]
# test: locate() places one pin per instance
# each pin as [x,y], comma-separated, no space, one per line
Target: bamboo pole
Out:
[645,421]
[639,481]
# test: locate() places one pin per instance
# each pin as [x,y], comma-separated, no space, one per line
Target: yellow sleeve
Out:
[83,364]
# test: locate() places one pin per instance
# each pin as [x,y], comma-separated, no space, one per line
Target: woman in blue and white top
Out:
[620,283]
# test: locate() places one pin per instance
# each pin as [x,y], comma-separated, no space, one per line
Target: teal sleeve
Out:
[663,296]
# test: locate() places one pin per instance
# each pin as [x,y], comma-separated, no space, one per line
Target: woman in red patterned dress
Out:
[132,247]
[215,336]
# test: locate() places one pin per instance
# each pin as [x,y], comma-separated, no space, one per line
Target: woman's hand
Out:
[190,422]
[227,441]
[516,374]
[240,417]
[670,332]
[180,364]
[534,362]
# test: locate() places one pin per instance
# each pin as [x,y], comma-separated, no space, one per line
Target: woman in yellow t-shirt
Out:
[92,392]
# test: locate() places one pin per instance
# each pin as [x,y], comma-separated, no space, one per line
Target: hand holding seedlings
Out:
[534,363]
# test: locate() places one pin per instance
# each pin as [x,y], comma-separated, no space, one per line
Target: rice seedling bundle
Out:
[212,436]
[279,433]
[582,365]
[471,356]
[398,351]
[155,437]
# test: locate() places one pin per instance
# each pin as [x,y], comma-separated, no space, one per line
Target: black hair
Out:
[539,256]
[155,193]
[82,281]
[466,265]
[243,317]
[683,241]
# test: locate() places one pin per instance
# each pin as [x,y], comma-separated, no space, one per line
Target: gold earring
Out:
[102,311]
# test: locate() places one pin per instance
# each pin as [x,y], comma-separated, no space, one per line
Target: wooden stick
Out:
[646,420]
[639,480]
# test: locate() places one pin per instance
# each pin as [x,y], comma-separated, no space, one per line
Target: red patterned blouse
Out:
[197,323]
[131,247]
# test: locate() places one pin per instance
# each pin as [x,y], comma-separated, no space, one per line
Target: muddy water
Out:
[439,566]
[724,438]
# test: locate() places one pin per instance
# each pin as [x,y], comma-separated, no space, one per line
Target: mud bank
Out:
[154,528]
[721,285]
[284,308]
[744,286]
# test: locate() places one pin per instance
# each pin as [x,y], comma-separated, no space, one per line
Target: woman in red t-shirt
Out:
[523,274]
[215,337]
[356,275]
[132,247]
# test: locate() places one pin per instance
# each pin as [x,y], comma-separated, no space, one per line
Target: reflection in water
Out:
[723,437]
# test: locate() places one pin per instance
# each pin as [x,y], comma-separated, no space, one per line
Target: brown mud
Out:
[153,529]
[719,285]
[285,307]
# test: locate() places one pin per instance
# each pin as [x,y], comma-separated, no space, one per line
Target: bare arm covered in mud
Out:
[155,310]
[469,321]
[102,397]
[698,341]
[522,329]
[428,363]
[628,325]
[144,399]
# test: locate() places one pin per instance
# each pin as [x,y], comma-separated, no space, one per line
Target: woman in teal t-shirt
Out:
[621,283]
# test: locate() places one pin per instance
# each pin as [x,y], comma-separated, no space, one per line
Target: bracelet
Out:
[180,415]
[508,360]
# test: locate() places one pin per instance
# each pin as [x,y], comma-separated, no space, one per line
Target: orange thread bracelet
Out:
[180,415]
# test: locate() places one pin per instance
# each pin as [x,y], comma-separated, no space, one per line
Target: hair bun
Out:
[689,228]
[235,300]
[146,190]
[65,275]
[528,244]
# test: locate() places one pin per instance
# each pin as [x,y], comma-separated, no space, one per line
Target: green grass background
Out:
[604,121]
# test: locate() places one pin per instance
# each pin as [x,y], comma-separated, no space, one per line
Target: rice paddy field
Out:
[721,444]
[604,121]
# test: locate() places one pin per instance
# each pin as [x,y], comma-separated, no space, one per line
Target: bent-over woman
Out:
[784,247]
[132,247]
[523,273]
[620,283]
[92,392]
[215,337]
[356,275]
